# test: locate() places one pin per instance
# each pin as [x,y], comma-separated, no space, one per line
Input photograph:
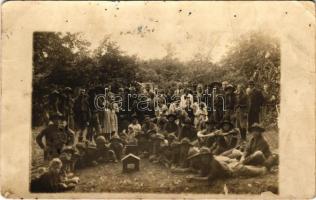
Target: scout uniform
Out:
[55,139]
[257,150]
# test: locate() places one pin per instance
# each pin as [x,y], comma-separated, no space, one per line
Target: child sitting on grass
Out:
[52,180]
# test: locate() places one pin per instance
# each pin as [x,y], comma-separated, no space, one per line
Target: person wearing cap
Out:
[210,168]
[171,126]
[82,113]
[256,100]
[188,130]
[241,108]
[257,149]
[56,136]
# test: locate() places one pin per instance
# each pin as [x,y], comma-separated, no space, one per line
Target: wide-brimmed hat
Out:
[215,84]
[159,136]
[100,139]
[134,116]
[227,122]
[187,121]
[230,86]
[115,138]
[203,151]
[251,82]
[172,136]
[186,141]
[68,90]
[68,149]
[55,116]
[193,152]
[171,115]
[256,127]
[175,144]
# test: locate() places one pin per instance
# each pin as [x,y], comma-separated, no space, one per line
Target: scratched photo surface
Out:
[166,98]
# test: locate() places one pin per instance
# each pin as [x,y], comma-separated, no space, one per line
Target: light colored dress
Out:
[107,121]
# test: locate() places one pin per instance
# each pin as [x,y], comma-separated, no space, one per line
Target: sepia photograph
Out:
[164,99]
[111,117]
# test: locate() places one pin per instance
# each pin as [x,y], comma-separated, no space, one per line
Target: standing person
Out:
[269,102]
[241,111]
[56,136]
[68,107]
[107,129]
[230,101]
[113,117]
[255,102]
[82,113]
[94,123]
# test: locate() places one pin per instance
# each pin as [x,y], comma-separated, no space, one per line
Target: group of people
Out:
[212,130]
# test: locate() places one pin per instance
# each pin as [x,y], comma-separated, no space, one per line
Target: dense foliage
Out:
[62,60]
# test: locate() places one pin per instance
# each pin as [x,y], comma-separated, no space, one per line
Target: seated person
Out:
[116,144]
[226,139]
[185,146]
[206,135]
[171,126]
[103,153]
[257,151]
[52,181]
[68,160]
[135,126]
[188,130]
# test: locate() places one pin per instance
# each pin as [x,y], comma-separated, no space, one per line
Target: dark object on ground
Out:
[133,149]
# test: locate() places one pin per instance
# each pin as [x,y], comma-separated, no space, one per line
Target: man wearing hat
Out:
[257,150]
[210,168]
[241,108]
[67,107]
[188,130]
[171,126]
[225,139]
[56,136]
[207,135]
[256,100]
[230,100]
[82,112]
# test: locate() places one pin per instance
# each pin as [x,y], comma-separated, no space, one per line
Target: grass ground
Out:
[158,179]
